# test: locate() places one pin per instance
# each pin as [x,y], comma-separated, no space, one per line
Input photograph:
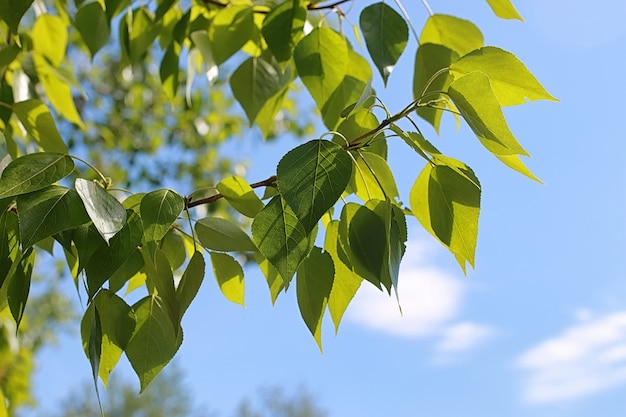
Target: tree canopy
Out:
[105,103]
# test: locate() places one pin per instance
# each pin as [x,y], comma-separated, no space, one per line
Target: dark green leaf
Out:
[19,286]
[190,283]
[11,12]
[49,211]
[313,286]
[9,243]
[107,214]
[169,70]
[230,29]
[33,172]
[94,348]
[160,277]
[8,55]
[386,35]
[283,28]
[163,7]
[220,234]
[126,271]
[229,276]
[159,210]
[93,26]
[311,177]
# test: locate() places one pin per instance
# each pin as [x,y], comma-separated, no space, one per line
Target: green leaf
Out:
[160,277]
[255,82]
[49,211]
[107,214]
[159,210]
[93,26]
[40,125]
[163,7]
[114,7]
[142,32]
[504,9]
[430,77]
[33,172]
[386,35]
[322,60]
[281,237]
[11,12]
[169,70]
[8,54]
[346,282]
[283,28]
[313,286]
[230,29]
[154,341]
[19,286]
[447,204]
[240,195]
[49,36]
[229,276]
[220,234]
[130,268]
[372,178]
[359,123]
[273,278]
[203,45]
[173,246]
[311,177]
[117,322]
[190,283]
[9,244]
[510,80]
[459,35]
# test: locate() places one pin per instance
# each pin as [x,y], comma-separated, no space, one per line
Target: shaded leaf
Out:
[12,11]
[159,210]
[203,45]
[220,234]
[190,282]
[229,276]
[40,125]
[92,24]
[169,70]
[230,29]
[19,286]
[141,33]
[386,35]
[283,28]
[107,214]
[240,195]
[160,277]
[313,286]
[33,172]
[9,244]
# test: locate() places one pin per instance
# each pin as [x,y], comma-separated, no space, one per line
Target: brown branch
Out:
[208,200]
[314,6]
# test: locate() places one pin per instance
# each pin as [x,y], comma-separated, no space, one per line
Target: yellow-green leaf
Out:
[240,195]
[39,124]
[229,276]
[50,38]
[460,35]
[504,9]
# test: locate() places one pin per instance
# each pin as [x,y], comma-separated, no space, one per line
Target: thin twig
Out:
[208,200]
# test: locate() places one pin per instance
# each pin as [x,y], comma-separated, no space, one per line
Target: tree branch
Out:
[208,200]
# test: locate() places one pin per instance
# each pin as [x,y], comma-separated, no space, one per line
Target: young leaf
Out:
[11,12]
[49,37]
[154,341]
[313,286]
[372,178]
[33,172]
[510,80]
[39,124]
[93,26]
[19,286]
[220,234]
[273,278]
[447,204]
[240,195]
[107,214]
[283,28]
[190,283]
[159,209]
[229,276]
[311,177]
[49,211]
[281,237]
[322,59]
[504,9]
[230,29]
[142,32]
[459,35]
[386,35]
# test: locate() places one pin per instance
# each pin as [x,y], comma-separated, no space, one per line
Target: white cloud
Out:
[585,358]
[431,299]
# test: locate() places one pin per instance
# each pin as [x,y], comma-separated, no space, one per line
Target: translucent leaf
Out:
[107,214]
[230,29]
[346,282]
[142,32]
[190,282]
[372,178]
[159,210]
[39,124]
[9,244]
[459,35]
[49,211]
[322,60]
[92,24]
[473,96]
[429,78]
[313,285]
[283,28]
[117,322]
[357,124]
[229,276]
[11,12]
[311,177]
[154,341]
[273,278]
[169,70]
[447,205]
[255,82]
[510,80]
[173,246]
[220,234]
[281,237]
[160,277]
[19,286]
[240,195]
[130,269]
[203,44]
[49,36]
[386,35]
[504,9]
[514,162]
[33,172]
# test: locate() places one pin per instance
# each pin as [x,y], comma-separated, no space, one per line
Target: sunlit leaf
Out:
[240,195]
[273,278]
[283,28]
[169,70]
[33,172]
[93,26]
[220,234]
[39,124]
[372,178]
[229,276]
[49,36]
[230,29]
[107,214]
[459,35]
[504,9]
[142,32]
[203,45]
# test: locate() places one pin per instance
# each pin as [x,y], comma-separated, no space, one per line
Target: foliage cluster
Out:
[330,216]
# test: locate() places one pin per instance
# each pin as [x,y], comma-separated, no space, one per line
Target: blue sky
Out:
[537,329]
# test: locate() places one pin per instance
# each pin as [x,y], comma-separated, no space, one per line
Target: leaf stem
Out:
[78,158]
[425,3]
